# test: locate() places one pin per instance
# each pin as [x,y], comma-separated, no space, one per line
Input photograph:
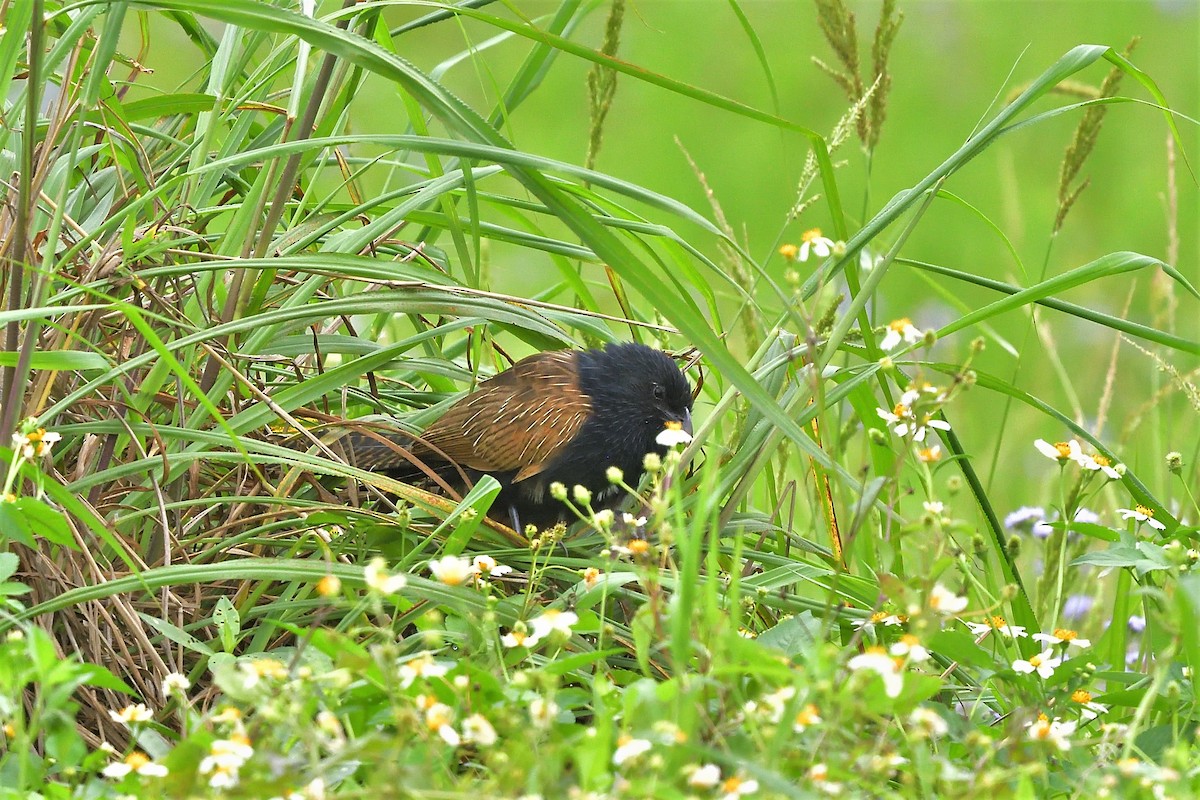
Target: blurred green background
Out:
[954,63]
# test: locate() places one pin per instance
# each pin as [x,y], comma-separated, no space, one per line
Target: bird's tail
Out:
[377,448]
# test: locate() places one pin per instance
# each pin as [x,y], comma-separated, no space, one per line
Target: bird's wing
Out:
[518,420]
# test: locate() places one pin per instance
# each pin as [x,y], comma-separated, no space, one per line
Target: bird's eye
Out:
[660,393]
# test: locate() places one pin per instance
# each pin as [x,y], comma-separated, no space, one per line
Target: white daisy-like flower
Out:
[629,748]
[542,712]
[935,507]
[477,730]
[928,722]
[806,718]
[904,422]
[553,620]
[135,712]
[735,787]
[489,568]
[134,762]
[998,624]
[438,719]
[1061,452]
[517,637]
[225,757]
[1062,636]
[876,660]
[944,601]
[900,330]
[420,666]
[910,647]
[1098,462]
[175,682]
[1142,514]
[1088,710]
[813,243]
[1044,664]
[380,580]
[452,570]
[1052,731]
[703,776]
[673,435]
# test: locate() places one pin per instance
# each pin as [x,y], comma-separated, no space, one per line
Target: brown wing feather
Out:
[518,420]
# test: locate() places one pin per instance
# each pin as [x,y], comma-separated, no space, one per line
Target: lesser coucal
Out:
[564,416]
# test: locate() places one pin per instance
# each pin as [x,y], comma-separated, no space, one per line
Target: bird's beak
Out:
[687,421]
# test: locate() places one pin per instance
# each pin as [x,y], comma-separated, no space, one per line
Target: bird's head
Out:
[638,388]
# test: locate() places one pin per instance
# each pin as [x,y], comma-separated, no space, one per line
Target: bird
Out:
[561,416]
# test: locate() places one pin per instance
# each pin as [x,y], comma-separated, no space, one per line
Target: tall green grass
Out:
[203,280]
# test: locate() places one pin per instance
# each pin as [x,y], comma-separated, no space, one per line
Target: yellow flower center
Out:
[639,547]
[930,454]
[1081,696]
[1035,661]
[810,235]
[789,251]
[876,649]
[1101,460]
[910,640]
[808,715]
[732,785]
[1141,509]
[997,622]
[898,325]
[136,760]
[673,425]
[900,410]
[1064,450]
[879,616]
[1062,634]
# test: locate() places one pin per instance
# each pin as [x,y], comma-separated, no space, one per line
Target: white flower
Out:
[819,775]
[673,435]
[438,717]
[998,624]
[134,762]
[552,620]
[1053,731]
[477,729]
[542,712]
[910,647]
[944,601]
[736,787]
[811,241]
[904,421]
[1059,451]
[421,666]
[900,330]
[805,718]
[876,660]
[1098,462]
[452,570]
[935,507]
[1043,664]
[378,579]
[867,261]
[1142,514]
[174,682]
[928,722]
[1061,636]
[517,637]
[225,757]
[704,777]
[629,748]
[1088,710]
[488,567]
[132,713]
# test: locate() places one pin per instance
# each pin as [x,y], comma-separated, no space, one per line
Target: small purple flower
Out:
[1077,606]
[1137,624]
[1041,529]
[1024,518]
